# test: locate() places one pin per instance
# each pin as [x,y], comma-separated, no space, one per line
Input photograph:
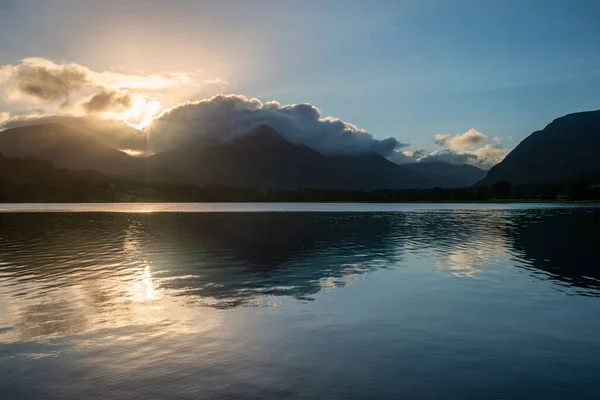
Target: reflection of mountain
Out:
[563,243]
[91,271]
[232,258]
[226,258]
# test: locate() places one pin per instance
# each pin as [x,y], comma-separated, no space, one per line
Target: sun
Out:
[140,114]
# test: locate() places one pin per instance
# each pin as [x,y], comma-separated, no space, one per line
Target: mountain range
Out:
[262,159]
[562,152]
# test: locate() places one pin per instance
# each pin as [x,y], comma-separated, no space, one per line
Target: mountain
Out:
[66,148]
[446,175]
[565,150]
[113,133]
[264,159]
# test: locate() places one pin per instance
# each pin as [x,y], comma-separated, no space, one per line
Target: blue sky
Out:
[402,69]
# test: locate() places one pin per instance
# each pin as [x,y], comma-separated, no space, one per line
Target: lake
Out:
[299,301]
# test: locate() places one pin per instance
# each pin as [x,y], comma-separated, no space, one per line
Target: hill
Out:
[265,160]
[261,159]
[446,175]
[566,150]
[66,147]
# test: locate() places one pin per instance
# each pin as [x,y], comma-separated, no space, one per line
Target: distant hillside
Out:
[565,150]
[66,148]
[262,159]
[447,175]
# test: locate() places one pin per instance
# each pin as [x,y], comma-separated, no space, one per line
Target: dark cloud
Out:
[107,100]
[226,117]
[28,112]
[48,84]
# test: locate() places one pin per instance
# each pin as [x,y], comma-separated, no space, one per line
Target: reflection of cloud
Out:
[470,257]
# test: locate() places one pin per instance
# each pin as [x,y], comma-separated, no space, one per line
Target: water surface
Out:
[298,301]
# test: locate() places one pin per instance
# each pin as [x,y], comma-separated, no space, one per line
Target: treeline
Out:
[33,180]
[502,191]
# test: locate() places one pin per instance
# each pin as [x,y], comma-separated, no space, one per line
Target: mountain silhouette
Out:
[447,175]
[565,150]
[65,147]
[261,159]
[264,159]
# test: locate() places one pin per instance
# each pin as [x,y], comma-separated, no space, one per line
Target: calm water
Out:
[346,301]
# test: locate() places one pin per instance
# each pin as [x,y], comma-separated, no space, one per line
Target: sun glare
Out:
[140,114]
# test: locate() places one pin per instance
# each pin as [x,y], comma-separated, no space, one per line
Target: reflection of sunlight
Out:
[125,293]
[133,153]
[143,287]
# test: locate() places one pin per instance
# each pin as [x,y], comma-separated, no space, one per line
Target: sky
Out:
[436,76]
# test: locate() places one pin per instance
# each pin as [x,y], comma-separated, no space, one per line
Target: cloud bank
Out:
[471,147]
[226,117]
[44,83]
[76,89]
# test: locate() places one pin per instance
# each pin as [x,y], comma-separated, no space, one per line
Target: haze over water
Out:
[299,301]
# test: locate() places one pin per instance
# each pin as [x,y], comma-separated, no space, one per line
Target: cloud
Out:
[471,147]
[4,117]
[107,100]
[467,140]
[43,81]
[449,156]
[215,81]
[226,117]
[490,154]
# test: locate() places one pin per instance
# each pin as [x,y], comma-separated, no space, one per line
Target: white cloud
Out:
[468,140]
[39,80]
[490,154]
[471,147]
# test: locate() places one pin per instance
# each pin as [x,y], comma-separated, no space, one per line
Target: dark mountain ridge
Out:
[262,159]
[448,175]
[66,148]
[565,150]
